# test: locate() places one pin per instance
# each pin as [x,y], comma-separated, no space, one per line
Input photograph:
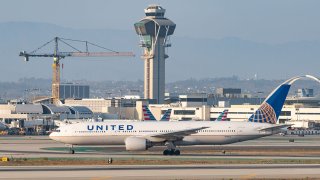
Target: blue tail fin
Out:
[270,109]
[147,114]
[166,115]
[223,115]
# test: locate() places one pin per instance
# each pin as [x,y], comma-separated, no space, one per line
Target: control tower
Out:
[154,31]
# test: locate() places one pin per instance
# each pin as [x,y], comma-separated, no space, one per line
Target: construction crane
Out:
[57,56]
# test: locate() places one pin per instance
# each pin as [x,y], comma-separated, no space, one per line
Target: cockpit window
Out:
[56,130]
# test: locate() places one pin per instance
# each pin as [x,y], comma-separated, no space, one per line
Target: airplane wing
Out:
[275,127]
[175,135]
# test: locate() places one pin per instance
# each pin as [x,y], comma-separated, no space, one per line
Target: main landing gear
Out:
[171,149]
[171,152]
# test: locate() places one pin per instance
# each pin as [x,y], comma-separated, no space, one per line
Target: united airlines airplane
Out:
[142,135]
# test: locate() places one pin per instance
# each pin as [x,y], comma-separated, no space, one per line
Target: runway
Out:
[279,146]
[264,150]
[163,172]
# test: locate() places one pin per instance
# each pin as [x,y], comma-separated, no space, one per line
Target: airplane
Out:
[2,126]
[223,115]
[142,135]
[147,114]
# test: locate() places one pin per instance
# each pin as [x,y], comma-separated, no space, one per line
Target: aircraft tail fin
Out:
[147,114]
[270,109]
[223,115]
[166,115]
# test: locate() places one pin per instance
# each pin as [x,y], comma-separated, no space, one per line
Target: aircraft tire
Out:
[177,152]
[166,152]
[171,152]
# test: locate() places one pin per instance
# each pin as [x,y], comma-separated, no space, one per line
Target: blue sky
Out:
[275,39]
[269,21]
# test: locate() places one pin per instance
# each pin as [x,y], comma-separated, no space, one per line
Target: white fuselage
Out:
[115,132]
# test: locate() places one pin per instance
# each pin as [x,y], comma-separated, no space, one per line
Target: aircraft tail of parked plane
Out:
[150,117]
[223,115]
[166,115]
[147,114]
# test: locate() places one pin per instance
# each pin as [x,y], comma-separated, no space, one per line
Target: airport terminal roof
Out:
[53,109]
[29,109]
[50,109]
[80,110]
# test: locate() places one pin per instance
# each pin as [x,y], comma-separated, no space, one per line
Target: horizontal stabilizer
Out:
[272,128]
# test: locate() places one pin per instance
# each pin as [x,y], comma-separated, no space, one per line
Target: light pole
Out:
[133,102]
[259,92]
[120,103]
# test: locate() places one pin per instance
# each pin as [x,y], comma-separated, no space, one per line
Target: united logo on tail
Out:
[265,114]
[270,109]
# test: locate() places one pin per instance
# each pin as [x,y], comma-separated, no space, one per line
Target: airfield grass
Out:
[149,161]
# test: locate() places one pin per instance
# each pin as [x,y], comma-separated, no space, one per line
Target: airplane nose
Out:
[53,135]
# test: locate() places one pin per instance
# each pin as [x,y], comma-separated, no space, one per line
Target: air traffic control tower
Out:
[154,31]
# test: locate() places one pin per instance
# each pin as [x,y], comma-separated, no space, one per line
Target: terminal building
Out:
[44,115]
[304,112]
[74,91]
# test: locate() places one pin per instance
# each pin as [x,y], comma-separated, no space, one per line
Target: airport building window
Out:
[184,112]
[285,113]
[193,99]
[301,113]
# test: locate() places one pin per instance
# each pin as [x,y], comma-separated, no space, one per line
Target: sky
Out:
[267,21]
[290,27]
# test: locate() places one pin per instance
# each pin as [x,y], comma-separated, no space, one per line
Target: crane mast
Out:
[57,56]
[56,74]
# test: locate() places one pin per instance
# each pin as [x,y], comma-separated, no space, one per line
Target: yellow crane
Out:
[57,56]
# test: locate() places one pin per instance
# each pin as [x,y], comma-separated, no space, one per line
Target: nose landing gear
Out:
[71,150]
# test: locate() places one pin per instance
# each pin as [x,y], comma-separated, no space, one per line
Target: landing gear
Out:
[171,149]
[166,152]
[171,152]
[71,150]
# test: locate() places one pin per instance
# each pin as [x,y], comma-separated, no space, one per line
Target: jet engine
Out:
[137,144]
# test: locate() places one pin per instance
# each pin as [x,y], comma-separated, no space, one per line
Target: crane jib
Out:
[57,55]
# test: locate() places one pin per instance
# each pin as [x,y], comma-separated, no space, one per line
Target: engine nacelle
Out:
[137,144]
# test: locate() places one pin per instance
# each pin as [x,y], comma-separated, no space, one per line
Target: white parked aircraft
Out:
[2,126]
[142,135]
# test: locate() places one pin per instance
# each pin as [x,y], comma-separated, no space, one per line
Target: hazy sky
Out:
[271,21]
[246,36]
